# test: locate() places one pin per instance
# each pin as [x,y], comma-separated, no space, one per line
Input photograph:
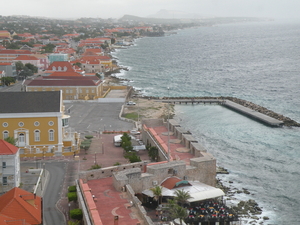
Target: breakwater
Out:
[286,121]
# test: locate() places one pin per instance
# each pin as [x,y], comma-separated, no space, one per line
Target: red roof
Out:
[21,205]
[95,78]
[66,74]
[7,148]
[61,64]
[5,63]
[26,57]
[15,52]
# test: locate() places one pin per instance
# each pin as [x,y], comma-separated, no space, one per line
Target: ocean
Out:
[257,62]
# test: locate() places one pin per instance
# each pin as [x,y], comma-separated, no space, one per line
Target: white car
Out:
[130,103]
[134,132]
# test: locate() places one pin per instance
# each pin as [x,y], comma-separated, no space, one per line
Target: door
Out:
[21,139]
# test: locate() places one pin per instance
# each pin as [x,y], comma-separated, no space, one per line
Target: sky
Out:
[143,8]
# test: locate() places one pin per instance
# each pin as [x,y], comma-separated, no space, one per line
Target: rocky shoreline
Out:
[249,210]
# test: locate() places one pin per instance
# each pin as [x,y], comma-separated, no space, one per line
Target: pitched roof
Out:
[68,83]
[26,57]
[69,74]
[69,78]
[20,204]
[174,182]
[15,52]
[7,148]
[30,102]
[61,64]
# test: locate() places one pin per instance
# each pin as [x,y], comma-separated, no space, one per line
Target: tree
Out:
[182,197]
[153,153]
[19,65]
[49,48]
[77,64]
[179,212]
[7,80]
[126,143]
[132,157]
[25,72]
[11,140]
[157,192]
[32,67]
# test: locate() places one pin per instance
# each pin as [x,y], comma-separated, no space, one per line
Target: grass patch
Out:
[132,116]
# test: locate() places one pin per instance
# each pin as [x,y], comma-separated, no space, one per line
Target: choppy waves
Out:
[257,62]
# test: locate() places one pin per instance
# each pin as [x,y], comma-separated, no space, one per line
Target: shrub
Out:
[132,157]
[72,188]
[89,136]
[94,167]
[117,164]
[72,196]
[76,214]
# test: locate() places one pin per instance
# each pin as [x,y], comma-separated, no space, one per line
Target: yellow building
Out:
[37,121]
[72,87]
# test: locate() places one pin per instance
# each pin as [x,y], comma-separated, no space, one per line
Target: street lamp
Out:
[168,125]
[95,159]
[69,210]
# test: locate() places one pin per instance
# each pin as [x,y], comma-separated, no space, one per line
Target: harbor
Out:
[261,117]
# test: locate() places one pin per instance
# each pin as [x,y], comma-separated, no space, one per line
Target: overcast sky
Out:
[143,8]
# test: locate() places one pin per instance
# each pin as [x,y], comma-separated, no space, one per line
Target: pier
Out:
[230,105]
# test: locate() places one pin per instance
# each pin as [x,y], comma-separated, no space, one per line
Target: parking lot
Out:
[88,118]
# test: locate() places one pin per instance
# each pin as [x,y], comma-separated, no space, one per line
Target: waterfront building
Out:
[73,85]
[38,123]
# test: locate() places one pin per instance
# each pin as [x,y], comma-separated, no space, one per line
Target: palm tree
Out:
[179,212]
[182,197]
[157,192]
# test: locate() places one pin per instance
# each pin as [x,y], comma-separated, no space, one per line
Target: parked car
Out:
[134,132]
[130,103]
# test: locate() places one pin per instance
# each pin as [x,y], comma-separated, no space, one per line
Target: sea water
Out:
[257,62]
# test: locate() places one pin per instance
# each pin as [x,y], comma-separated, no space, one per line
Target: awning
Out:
[198,191]
[202,195]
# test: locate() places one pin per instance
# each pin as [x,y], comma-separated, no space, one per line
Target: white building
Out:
[9,166]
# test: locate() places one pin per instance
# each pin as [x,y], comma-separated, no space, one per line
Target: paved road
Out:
[53,192]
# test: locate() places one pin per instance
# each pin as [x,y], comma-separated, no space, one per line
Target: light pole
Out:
[168,125]
[95,159]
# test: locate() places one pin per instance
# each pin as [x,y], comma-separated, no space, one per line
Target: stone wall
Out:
[107,171]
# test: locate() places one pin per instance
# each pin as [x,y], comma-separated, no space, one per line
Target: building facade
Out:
[37,121]
[9,167]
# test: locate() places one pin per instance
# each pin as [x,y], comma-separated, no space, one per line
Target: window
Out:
[65,122]
[36,123]
[87,91]
[4,180]
[71,91]
[50,123]
[51,135]
[5,134]
[5,124]
[36,135]
[3,164]
[21,124]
